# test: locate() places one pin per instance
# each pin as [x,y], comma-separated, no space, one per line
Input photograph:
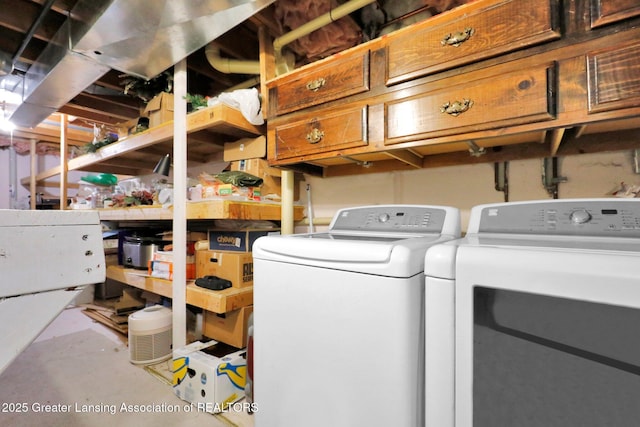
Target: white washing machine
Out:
[338,315]
[545,299]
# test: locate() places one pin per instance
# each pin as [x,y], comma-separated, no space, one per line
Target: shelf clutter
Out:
[223,253]
[218,132]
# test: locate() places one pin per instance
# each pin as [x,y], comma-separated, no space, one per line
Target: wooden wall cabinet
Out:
[337,79]
[323,133]
[500,96]
[605,12]
[491,73]
[488,30]
[614,77]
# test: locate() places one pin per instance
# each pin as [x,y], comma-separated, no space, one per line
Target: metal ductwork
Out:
[135,37]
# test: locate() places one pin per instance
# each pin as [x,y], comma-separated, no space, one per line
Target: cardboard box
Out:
[246,148]
[236,240]
[229,328]
[237,267]
[271,177]
[223,190]
[210,380]
[160,109]
[164,270]
[126,128]
[257,167]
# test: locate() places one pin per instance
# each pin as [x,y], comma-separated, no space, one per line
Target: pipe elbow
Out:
[230,66]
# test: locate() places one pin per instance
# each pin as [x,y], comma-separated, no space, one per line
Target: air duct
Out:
[135,37]
[54,79]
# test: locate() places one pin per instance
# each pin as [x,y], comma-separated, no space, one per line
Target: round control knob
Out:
[580,216]
[384,217]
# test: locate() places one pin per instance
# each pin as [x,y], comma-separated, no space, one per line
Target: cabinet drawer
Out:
[502,99]
[337,78]
[494,29]
[329,132]
[604,12]
[614,78]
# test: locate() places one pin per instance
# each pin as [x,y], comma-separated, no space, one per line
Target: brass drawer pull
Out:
[316,84]
[456,39]
[457,107]
[315,136]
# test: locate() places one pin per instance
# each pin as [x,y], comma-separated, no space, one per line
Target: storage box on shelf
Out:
[246,148]
[236,267]
[237,240]
[229,328]
[160,109]
[161,265]
[271,177]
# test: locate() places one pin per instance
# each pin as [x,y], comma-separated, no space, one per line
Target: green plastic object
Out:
[101,179]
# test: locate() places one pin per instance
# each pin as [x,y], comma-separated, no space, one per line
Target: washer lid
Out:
[386,240]
[357,237]
[390,255]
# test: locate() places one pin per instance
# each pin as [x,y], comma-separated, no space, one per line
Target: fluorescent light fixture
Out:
[8,103]
[6,125]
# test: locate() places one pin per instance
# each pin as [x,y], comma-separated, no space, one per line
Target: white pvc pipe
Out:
[13,176]
[34,172]
[319,22]
[64,163]
[286,214]
[225,65]
[179,296]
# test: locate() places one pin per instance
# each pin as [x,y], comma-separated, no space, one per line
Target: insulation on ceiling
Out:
[373,20]
[334,37]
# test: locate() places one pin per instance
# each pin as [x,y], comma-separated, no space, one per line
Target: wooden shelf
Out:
[206,209]
[214,301]
[219,119]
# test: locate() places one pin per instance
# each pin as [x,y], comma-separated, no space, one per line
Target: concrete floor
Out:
[77,364]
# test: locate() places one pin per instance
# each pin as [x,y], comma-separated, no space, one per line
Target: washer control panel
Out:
[396,218]
[618,217]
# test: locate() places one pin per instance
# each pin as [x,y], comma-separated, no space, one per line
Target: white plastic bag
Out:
[247,101]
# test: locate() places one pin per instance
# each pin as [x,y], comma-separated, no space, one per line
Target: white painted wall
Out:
[589,175]
[23,165]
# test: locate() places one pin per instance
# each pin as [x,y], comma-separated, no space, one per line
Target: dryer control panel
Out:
[598,217]
[395,218]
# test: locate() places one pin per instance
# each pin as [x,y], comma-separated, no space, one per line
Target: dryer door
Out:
[547,337]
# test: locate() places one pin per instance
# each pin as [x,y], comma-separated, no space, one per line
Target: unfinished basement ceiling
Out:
[115,41]
[29,27]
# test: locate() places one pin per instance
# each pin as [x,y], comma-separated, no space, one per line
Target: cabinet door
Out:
[337,78]
[525,95]
[490,30]
[614,78]
[325,133]
[604,12]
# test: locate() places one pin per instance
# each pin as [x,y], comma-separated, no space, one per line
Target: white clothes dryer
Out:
[338,315]
[539,311]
